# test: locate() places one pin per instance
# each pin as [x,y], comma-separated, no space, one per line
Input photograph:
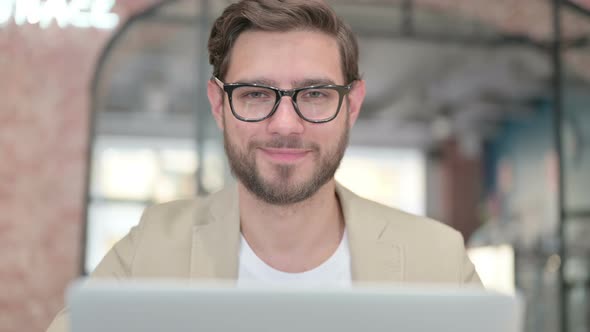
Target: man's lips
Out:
[285,154]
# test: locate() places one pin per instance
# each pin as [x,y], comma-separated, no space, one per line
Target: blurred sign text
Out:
[76,13]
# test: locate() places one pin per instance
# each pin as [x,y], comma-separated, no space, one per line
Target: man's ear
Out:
[215,95]
[356,96]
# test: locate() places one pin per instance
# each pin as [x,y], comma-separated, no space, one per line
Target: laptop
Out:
[168,306]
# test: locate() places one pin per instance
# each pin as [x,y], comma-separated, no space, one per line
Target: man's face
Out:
[284,159]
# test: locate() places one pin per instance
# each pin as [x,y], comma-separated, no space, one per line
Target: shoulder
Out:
[185,212]
[414,226]
[404,227]
[403,222]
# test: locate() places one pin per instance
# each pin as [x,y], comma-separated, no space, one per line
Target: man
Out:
[285,92]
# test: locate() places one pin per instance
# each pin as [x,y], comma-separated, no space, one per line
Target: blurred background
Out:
[477,115]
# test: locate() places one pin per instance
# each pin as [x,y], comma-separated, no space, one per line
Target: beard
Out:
[282,190]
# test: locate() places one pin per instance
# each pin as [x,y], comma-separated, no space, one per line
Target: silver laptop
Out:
[144,306]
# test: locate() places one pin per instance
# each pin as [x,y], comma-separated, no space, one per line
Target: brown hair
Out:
[281,16]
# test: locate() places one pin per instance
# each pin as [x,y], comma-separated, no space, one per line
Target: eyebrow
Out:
[313,81]
[295,84]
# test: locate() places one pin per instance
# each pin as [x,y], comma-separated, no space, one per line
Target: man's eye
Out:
[314,94]
[255,95]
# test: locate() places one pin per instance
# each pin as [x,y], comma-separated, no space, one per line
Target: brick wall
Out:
[44,110]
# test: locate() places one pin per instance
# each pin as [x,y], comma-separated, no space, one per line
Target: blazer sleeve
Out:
[117,264]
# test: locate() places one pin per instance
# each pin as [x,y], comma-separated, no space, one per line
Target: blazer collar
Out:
[375,254]
[216,238]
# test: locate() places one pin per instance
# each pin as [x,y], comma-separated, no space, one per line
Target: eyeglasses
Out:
[257,102]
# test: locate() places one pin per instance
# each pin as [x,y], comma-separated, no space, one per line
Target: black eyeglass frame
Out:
[342,90]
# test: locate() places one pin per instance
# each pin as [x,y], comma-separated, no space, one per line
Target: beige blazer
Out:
[200,238]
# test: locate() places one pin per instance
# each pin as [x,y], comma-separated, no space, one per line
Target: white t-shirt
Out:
[333,272]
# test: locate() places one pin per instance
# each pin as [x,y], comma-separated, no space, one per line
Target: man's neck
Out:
[296,237]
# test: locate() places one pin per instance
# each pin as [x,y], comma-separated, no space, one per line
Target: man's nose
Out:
[285,121]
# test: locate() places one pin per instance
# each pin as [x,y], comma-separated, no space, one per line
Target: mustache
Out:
[285,142]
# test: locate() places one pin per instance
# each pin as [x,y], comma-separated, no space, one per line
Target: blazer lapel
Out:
[216,239]
[375,254]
